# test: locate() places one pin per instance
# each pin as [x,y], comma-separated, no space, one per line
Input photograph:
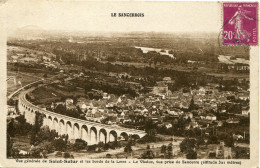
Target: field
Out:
[22,142]
[48,94]
[22,79]
[212,71]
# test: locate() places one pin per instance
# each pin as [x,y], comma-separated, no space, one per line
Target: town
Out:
[190,103]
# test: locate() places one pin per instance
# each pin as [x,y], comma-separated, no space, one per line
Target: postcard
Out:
[129,83]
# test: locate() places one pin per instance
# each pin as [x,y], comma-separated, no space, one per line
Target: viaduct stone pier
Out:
[91,132]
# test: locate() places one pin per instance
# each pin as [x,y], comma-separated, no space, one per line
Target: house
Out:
[202,91]
[232,121]
[22,152]
[174,113]
[237,137]
[54,105]
[220,123]
[111,74]
[126,119]
[124,75]
[11,109]
[119,100]
[82,99]
[167,79]
[243,96]
[81,74]
[184,105]
[187,126]
[97,117]
[194,124]
[188,115]
[211,117]
[68,101]
[106,96]
[168,125]
[245,110]
[83,107]
[202,117]
[71,107]
[160,89]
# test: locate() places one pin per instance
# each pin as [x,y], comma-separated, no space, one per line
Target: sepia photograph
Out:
[140,81]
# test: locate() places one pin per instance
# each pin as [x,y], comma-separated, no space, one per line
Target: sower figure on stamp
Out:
[237,19]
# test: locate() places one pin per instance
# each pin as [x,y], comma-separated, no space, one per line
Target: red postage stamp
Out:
[240,23]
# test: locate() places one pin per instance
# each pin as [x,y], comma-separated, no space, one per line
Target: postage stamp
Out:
[240,23]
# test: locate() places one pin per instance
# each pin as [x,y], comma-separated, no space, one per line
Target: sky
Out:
[96,16]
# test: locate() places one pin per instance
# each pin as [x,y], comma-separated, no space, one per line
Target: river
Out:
[228,60]
[161,51]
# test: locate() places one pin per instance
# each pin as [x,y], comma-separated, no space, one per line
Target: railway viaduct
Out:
[91,132]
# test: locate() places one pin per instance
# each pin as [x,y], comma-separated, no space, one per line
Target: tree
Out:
[38,121]
[213,140]
[128,147]
[11,102]
[36,153]
[188,120]
[200,141]
[61,109]
[187,144]
[43,135]
[150,128]
[148,147]
[229,141]
[191,155]
[60,144]
[148,154]
[9,146]
[21,127]
[192,105]
[154,57]
[170,150]
[163,149]
[11,128]
[21,119]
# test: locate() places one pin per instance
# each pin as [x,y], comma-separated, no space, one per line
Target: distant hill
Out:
[29,32]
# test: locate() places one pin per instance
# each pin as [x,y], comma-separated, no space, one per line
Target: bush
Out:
[92,147]
[80,145]
[108,155]
[59,144]
[47,146]
[36,153]
[148,138]
[147,155]
[128,148]
[212,154]
[20,127]
[58,153]
[66,155]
